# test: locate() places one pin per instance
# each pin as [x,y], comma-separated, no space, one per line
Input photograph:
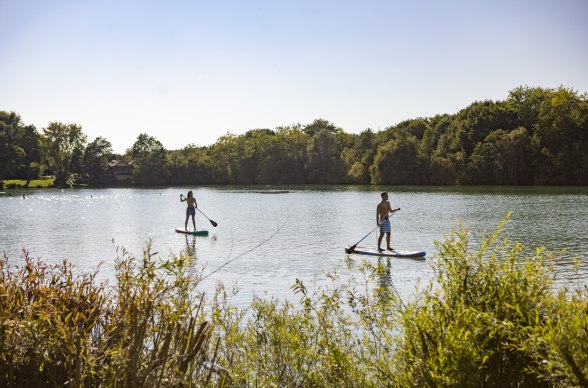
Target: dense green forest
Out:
[537,136]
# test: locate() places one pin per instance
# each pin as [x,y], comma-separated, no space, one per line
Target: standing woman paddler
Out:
[191,209]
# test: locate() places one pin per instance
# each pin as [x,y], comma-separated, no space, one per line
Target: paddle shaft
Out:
[211,221]
[352,248]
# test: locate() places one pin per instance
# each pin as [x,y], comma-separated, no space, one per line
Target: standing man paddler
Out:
[382,219]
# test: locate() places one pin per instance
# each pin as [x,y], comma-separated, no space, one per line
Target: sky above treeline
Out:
[188,72]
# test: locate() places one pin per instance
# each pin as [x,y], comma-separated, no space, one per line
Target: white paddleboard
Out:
[396,253]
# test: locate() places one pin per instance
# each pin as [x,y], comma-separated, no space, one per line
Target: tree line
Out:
[537,136]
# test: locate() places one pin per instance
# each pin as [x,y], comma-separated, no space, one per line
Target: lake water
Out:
[313,226]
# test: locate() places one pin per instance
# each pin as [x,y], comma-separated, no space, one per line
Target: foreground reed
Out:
[492,317]
[59,329]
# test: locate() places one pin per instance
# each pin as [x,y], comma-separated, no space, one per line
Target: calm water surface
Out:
[87,225]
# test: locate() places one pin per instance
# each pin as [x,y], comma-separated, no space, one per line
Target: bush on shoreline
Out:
[492,317]
[57,328]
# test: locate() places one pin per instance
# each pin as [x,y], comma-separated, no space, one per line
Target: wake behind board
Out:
[399,253]
[193,232]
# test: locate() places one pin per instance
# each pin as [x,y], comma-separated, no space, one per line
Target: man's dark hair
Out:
[383,193]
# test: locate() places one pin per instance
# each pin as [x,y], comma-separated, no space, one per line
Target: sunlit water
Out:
[313,226]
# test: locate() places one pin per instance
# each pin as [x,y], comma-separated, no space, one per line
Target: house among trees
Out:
[119,171]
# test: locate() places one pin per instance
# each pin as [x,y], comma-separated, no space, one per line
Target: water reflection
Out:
[384,273]
[319,222]
[190,245]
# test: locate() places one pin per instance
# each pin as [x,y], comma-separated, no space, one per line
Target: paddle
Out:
[352,248]
[211,221]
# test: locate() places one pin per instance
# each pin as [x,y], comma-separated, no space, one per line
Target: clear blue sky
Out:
[191,71]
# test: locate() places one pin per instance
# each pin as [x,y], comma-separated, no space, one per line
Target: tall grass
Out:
[491,317]
[59,329]
[33,183]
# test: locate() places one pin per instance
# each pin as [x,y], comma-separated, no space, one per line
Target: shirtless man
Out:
[382,213]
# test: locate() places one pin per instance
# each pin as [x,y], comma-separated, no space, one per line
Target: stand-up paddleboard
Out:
[194,232]
[396,253]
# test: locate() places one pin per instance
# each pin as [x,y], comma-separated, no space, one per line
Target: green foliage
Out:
[260,156]
[397,162]
[190,165]
[558,119]
[280,344]
[149,159]
[96,157]
[324,162]
[359,156]
[59,329]
[505,158]
[20,154]
[490,320]
[318,125]
[535,136]
[492,317]
[63,147]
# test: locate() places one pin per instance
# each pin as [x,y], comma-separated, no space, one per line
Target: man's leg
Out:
[388,241]
[194,222]
[380,242]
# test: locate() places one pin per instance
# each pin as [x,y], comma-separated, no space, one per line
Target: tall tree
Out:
[63,143]
[397,162]
[506,158]
[19,148]
[324,162]
[558,119]
[359,156]
[96,157]
[149,161]
[317,125]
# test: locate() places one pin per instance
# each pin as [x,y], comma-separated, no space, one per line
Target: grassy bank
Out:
[492,317]
[33,184]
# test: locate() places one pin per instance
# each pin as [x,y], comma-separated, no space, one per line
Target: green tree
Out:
[149,161]
[359,157]
[284,157]
[324,162]
[62,143]
[318,125]
[232,163]
[20,155]
[397,162]
[261,156]
[506,158]
[96,157]
[191,165]
[558,119]
[471,125]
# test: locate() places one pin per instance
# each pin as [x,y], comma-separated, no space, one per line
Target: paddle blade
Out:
[213,223]
[350,249]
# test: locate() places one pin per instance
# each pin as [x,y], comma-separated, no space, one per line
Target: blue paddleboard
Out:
[193,232]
